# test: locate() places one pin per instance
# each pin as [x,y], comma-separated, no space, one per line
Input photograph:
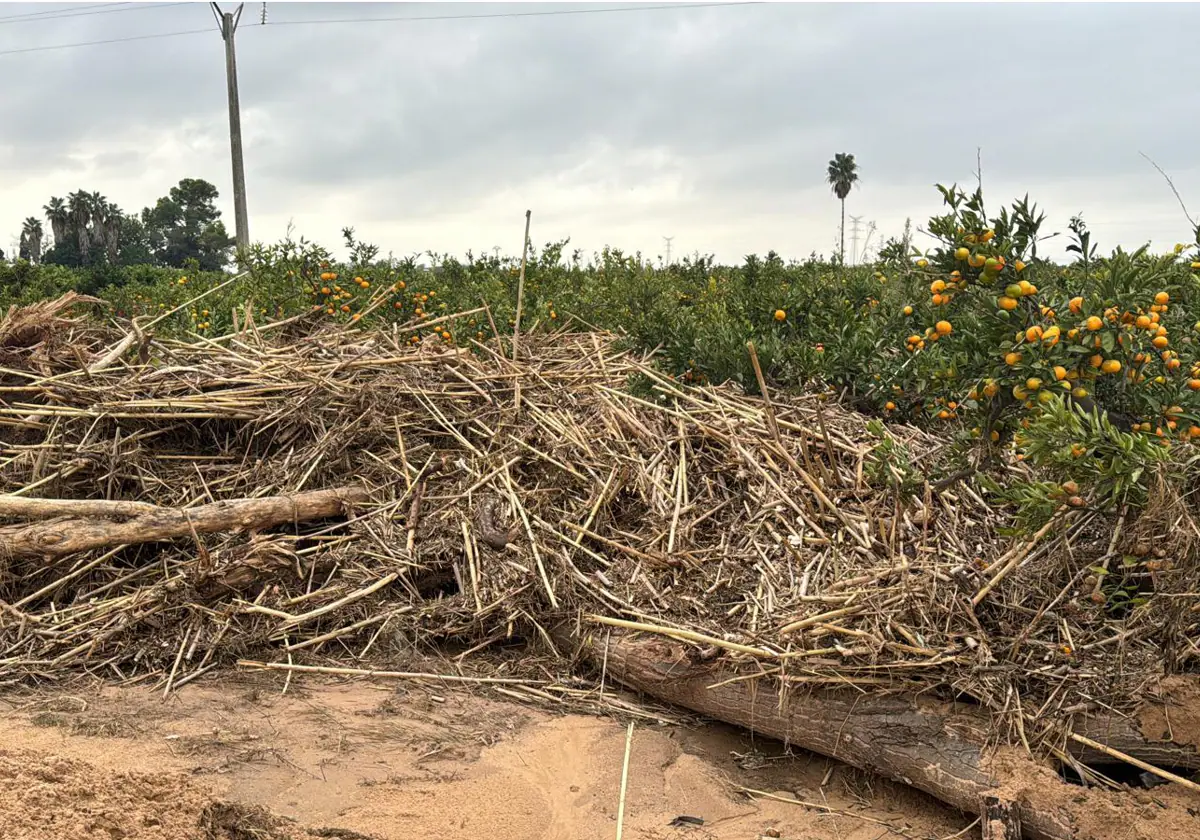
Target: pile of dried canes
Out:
[302,495]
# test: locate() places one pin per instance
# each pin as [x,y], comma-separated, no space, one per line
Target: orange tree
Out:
[994,333]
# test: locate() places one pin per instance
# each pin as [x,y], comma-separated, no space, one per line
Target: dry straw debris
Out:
[784,534]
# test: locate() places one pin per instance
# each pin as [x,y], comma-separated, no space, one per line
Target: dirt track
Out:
[392,762]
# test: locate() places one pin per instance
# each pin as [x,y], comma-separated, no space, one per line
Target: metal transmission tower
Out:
[867,242]
[228,21]
[855,221]
[668,240]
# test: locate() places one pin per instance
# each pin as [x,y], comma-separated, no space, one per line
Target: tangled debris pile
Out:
[337,497]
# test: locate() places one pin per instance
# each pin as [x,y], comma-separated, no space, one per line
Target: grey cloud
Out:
[748,103]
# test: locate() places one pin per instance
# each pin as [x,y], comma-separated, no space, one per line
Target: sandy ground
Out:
[360,760]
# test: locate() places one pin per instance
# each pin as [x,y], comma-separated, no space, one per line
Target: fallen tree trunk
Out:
[144,523]
[939,748]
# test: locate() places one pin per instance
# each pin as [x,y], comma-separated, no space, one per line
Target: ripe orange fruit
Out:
[938,300]
[1174,365]
[1034,333]
[1143,321]
[943,327]
[1050,336]
[1111,366]
[1161,298]
[890,406]
[1012,359]
[1033,383]
[1027,288]
[908,310]
[780,315]
[1060,372]
[962,254]
[1194,384]
[937,287]
[991,389]
[1160,341]
[1019,266]
[1093,323]
[943,414]
[1006,303]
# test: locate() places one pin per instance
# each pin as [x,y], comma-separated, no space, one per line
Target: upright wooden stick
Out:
[520,306]
[521,285]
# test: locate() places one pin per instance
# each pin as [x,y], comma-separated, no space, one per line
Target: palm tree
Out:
[56,215]
[99,208]
[842,175]
[110,231]
[80,210]
[31,240]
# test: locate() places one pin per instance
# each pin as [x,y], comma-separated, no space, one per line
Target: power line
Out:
[110,41]
[61,13]
[414,19]
[546,13]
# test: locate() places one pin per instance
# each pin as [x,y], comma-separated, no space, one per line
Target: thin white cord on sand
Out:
[624,781]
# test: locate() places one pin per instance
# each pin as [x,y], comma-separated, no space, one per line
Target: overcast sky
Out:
[711,125]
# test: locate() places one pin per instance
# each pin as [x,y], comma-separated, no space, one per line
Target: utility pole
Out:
[855,221]
[228,21]
[668,240]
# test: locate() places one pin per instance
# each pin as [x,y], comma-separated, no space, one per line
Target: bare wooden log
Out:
[20,507]
[148,523]
[939,748]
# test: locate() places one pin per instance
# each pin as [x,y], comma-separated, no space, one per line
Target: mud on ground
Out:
[238,760]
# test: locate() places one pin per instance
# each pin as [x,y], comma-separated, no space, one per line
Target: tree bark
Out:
[89,523]
[842,246]
[939,748]
[1000,820]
